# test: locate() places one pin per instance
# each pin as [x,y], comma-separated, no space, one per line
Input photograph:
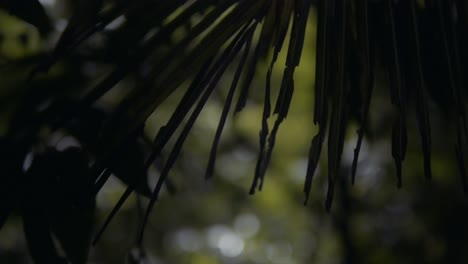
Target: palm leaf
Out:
[419,46]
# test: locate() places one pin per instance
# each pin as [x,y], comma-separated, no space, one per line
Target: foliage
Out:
[162,47]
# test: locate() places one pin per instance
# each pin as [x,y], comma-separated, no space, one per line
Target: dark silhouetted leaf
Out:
[227,58]
[30,11]
[137,107]
[365,77]
[266,36]
[38,237]
[60,192]
[322,73]
[398,94]
[227,106]
[339,91]
[421,94]
[300,10]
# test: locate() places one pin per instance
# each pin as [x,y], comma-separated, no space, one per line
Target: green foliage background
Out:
[217,221]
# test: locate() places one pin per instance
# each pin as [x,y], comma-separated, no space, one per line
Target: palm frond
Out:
[166,44]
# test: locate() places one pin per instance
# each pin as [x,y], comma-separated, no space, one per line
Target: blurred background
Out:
[216,221]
